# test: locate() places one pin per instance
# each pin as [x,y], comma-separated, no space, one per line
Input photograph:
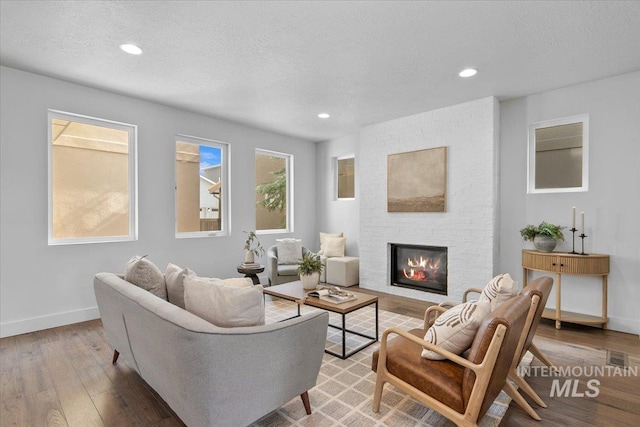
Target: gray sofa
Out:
[210,376]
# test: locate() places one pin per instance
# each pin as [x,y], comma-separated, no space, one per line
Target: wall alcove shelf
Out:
[566,263]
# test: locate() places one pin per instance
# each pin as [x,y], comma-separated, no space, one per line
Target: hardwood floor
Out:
[64,376]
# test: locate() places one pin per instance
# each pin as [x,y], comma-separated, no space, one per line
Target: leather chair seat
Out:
[441,379]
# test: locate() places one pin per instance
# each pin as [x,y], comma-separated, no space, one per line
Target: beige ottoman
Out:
[343,271]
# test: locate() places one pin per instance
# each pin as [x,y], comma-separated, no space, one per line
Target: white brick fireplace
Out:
[468,228]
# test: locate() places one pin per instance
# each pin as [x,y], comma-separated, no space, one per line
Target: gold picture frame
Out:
[417,181]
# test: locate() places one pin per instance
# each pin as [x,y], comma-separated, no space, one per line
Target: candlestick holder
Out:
[573,240]
[582,236]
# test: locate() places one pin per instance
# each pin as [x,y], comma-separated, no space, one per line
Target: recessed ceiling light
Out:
[131,48]
[324,115]
[468,72]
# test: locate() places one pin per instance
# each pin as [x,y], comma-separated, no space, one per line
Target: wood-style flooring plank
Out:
[11,384]
[8,354]
[114,410]
[147,408]
[43,409]
[77,405]
[13,412]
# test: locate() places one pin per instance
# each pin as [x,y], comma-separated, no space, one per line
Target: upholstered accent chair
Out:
[461,389]
[281,273]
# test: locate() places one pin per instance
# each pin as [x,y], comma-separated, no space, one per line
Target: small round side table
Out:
[251,272]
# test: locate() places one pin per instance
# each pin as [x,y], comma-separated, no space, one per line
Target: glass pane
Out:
[198,187]
[271,192]
[559,156]
[90,180]
[346,178]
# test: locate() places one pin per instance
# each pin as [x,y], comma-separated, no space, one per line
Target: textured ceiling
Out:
[276,65]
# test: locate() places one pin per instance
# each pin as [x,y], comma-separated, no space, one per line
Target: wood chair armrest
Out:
[447,304]
[436,310]
[444,353]
[468,291]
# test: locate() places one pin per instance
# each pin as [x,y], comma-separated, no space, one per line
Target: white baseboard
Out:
[39,323]
[622,324]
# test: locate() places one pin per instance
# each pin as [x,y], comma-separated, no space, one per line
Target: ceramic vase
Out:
[310,281]
[544,243]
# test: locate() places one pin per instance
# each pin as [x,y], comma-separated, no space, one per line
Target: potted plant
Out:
[544,236]
[252,247]
[309,268]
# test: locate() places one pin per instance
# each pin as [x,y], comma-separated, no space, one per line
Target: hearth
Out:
[419,267]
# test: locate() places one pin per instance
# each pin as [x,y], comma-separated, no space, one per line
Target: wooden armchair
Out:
[460,389]
[530,346]
[538,290]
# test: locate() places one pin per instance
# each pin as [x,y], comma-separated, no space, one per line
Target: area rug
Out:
[343,394]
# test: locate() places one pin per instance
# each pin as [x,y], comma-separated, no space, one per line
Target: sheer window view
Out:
[91,180]
[559,154]
[272,190]
[199,189]
[346,178]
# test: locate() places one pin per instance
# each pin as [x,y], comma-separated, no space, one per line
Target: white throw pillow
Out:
[334,247]
[456,328]
[323,238]
[499,290]
[224,306]
[174,277]
[144,274]
[289,251]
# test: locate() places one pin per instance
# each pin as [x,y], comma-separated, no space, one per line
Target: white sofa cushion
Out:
[144,274]
[455,329]
[289,251]
[174,277]
[223,305]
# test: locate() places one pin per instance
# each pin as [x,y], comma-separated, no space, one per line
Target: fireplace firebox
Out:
[419,267]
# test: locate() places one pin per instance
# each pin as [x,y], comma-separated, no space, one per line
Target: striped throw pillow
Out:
[456,328]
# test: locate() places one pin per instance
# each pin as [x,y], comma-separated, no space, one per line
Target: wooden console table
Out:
[566,263]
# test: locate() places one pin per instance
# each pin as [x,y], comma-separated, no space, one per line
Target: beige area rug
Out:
[344,391]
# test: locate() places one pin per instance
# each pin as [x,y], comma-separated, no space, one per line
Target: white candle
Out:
[574,217]
[583,229]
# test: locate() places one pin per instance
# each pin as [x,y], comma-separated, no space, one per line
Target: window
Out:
[92,179]
[274,189]
[345,179]
[202,187]
[559,155]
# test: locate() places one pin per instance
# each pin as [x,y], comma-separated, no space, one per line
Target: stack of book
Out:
[250,265]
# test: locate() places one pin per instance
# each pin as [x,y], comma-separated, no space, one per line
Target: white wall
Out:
[611,206]
[45,286]
[467,228]
[335,216]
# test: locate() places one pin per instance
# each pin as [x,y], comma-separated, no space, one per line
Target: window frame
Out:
[336,175]
[289,161]
[531,154]
[132,170]
[225,175]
